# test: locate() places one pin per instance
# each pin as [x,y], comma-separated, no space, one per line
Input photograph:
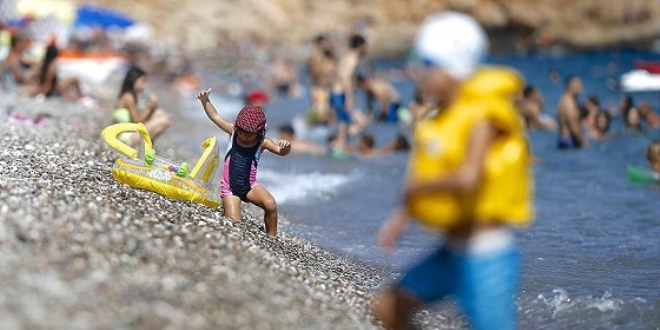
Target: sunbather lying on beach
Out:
[52,85]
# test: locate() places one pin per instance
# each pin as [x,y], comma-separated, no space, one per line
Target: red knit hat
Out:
[251,119]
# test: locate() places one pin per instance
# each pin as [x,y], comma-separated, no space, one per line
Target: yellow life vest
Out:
[440,146]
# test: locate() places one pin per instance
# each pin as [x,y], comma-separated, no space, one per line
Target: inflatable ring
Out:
[640,175]
[145,170]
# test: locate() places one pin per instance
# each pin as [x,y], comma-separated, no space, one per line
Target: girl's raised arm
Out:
[212,113]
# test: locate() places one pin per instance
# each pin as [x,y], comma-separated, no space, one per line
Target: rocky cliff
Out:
[390,24]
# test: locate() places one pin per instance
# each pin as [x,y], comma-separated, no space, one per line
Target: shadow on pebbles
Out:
[79,250]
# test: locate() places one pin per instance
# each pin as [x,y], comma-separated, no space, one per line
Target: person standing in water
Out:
[342,96]
[589,111]
[568,116]
[321,67]
[468,177]
[653,155]
[384,93]
[532,105]
[651,117]
[247,143]
[601,126]
[633,120]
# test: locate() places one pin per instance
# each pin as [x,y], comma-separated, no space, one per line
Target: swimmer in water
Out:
[568,116]
[381,91]
[300,146]
[653,155]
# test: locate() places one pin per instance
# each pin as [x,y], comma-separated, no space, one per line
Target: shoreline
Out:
[80,250]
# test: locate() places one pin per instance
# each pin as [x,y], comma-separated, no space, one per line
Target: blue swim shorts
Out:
[567,143]
[483,282]
[338,102]
[392,112]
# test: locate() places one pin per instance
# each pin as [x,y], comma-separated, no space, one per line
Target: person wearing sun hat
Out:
[468,178]
[239,176]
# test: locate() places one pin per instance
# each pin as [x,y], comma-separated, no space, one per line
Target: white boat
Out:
[639,81]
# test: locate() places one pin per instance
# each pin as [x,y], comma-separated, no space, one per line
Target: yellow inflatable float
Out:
[144,169]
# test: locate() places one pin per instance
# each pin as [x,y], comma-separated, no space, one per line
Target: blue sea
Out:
[591,259]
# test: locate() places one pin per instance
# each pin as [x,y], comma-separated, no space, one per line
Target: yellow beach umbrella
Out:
[64,10]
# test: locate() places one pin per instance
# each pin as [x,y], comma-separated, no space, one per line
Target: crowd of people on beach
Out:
[475,241]
[31,65]
[334,83]
[455,148]
[579,123]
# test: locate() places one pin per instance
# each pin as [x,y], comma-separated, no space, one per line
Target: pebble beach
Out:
[79,250]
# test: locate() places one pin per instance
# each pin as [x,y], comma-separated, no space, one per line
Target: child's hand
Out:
[285,147]
[280,148]
[204,95]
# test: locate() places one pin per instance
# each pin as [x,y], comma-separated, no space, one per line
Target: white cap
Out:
[454,41]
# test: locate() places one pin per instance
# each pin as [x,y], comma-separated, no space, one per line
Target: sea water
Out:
[591,259]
